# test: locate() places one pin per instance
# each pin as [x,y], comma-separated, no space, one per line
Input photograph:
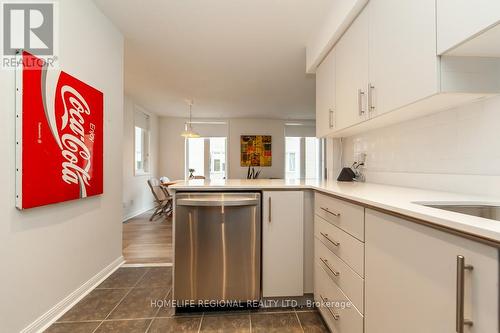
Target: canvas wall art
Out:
[256,150]
[59,136]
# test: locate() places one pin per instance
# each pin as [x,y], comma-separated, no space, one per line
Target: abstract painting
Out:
[256,150]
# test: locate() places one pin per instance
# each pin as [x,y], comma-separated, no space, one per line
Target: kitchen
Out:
[332,166]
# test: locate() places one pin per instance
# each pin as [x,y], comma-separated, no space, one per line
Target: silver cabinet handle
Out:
[269,216]
[334,315]
[325,262]
[329,239]
[461,268]
[371,107]
[360,102]
[330,118]
[329,211]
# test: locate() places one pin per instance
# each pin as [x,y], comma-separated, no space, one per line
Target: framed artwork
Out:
[59,136]
[256,150]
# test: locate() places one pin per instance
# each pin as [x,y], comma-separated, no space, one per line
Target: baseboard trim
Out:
[136,213]
[165,264]
[48,318]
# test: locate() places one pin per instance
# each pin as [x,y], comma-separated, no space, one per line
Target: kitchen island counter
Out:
[395,200]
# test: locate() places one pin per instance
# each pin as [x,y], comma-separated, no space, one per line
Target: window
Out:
[291,162]
[217,158]
[302,158]
[292,156]
[312,158]
[141,143]
[196,152]
[207,157]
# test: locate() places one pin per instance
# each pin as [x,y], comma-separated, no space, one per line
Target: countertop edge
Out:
[476,233]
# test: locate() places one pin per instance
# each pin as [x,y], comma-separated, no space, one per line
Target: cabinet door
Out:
[403,61]
[411,279]
[352,73]
[282,243]
[325,95]
[459,20]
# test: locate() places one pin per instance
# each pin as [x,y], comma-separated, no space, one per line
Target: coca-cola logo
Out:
[76,154]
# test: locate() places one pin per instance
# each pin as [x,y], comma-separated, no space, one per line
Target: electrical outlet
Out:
[360,158]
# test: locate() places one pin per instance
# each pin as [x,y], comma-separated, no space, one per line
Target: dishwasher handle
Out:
[217,202]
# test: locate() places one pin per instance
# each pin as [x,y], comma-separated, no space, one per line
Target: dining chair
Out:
[163,199]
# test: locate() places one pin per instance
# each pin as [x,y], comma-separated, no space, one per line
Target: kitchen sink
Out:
[486,211]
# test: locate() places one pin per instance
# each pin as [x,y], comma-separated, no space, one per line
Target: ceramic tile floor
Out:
[122,303]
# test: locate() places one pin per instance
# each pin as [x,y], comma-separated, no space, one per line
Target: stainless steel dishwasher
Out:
[217,248]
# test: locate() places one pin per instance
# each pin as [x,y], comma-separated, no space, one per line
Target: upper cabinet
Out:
[387,70]
[325,96]
[403,60]
[468,28]
[352,73]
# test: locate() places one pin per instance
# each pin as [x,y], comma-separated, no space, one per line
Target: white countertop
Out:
[400,200]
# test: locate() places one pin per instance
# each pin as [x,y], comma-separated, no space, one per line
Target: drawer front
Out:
[346,216]
[346,247]
[344,276]
[332,302]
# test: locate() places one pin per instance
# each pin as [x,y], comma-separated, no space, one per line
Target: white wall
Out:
[454,150]
[137,196]
[48,252]
[172,161]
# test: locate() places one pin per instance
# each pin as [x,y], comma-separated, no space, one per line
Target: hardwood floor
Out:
[146,242]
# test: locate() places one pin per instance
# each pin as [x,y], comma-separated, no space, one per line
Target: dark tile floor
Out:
[123,304]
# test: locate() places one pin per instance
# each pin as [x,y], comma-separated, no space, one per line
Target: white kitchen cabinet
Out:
[283,243]
[403,62]
[406,77]
[411,279]
[460,21]
[351,70]
[325,96]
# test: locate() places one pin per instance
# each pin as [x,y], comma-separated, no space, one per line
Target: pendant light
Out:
[188,129]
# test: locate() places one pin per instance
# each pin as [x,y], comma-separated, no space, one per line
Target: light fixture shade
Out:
[188,128]
[188,132]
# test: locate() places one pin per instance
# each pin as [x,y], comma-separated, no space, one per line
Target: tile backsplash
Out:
[461,144]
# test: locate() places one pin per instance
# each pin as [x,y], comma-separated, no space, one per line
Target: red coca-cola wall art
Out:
[59,136]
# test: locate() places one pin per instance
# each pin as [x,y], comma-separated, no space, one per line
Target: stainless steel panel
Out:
[217,247]
[486,211]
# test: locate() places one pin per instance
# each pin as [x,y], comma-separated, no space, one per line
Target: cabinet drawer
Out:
[346,247]
[332,301]
[344,276]
[346,216]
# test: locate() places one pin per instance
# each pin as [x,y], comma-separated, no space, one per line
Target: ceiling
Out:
[235,58]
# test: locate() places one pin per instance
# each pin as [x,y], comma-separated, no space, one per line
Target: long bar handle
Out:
[360,102]
[334,315]
[329,211]
[371,107]
[460,320]
[270,211]
[330,118]
[329,239]
[325,262]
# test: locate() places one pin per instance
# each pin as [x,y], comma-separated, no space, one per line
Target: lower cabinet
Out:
[337,310]
[415,275]
[339,263]
[282,243]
